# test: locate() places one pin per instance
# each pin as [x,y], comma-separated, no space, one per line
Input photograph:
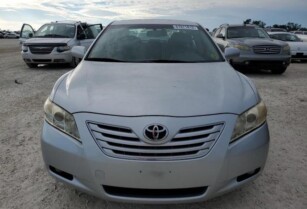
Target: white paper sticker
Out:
[185,27]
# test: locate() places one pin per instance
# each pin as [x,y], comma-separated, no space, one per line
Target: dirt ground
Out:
[24,183]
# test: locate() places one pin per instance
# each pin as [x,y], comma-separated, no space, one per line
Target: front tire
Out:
[74,62]
[31,65]
[279,70]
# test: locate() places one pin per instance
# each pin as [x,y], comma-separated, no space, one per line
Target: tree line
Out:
[290,26]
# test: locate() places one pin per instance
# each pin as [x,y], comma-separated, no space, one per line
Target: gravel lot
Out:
[24,183]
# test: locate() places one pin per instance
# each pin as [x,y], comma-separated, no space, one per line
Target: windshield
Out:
[154,43]
[56,30]
[286,37]
[246,32]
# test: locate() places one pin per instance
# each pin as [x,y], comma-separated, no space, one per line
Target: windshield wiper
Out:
[105,59]
[55,36]
[171,61]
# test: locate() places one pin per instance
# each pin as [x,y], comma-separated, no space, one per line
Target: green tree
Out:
[247,21]
[259,23]
[255,22]
[293,26]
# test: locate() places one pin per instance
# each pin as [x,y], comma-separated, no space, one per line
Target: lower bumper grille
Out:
[298,55]
[41,60]
[155,193]
[123,142]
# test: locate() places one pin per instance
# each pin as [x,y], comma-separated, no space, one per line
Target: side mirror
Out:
[78,51]
[220,36]
[231,52]
[30,35]
[81,36]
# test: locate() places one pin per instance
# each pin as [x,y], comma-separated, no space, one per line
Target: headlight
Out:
[61,119]
[286,48]
[63,48]
[24,48]
[249,120]
[242,47]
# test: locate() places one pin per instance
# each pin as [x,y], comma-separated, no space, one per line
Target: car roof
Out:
[280,32]
[67,22]
[241,25]
[154,22]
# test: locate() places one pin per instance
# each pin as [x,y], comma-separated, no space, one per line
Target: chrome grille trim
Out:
[41,49]
[267,49]
[123,142]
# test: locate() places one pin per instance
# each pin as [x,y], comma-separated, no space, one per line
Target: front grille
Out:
[41,49]
[122,142]
[267,49]
[155,193]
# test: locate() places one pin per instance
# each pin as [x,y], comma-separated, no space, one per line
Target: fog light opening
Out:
[59,60]
[61,173]
[247,175]
[27,60]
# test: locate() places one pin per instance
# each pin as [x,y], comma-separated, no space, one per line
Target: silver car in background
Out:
[257,49]
[52,43]
[297,46]
[155,114]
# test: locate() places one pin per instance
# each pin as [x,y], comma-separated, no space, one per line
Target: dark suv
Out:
[257,49]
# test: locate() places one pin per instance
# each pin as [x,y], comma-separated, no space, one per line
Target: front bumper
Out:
[252,59]
[53,58]
[217,172]
[299,55]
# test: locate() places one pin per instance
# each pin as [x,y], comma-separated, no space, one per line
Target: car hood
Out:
[139,89]
[258,41]
[298,46]
[36,41]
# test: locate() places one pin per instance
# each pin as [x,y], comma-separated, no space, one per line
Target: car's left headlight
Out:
[63,48]
[249,120]
[286,48]
[61,119]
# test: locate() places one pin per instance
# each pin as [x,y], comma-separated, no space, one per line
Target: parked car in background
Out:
[275,30]
[154,113]
[297,46]
[257,49]
[11,35]
[1,35]
[299,32]
[52,42]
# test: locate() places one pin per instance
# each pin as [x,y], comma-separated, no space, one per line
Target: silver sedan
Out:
[154,113]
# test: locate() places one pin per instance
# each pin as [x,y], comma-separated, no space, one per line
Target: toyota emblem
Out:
[155,133]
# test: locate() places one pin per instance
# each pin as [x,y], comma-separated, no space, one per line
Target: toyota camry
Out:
[154,113]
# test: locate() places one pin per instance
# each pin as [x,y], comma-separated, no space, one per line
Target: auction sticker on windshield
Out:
[185,27]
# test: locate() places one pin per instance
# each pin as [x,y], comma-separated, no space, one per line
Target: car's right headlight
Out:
[61,119]
[249,120]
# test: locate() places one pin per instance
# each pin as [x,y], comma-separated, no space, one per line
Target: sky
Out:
[209,13]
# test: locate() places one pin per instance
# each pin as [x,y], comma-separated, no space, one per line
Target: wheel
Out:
[279,70]
[31,65]
[74,62]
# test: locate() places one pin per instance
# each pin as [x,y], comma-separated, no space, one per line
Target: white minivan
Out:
[52,42]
